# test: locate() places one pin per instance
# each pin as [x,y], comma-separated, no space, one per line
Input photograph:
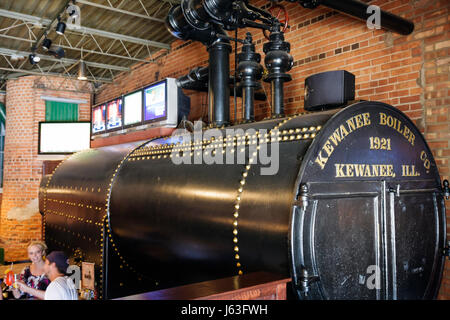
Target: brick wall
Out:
[182,58]
[2,100]
[408,72]
[20,220]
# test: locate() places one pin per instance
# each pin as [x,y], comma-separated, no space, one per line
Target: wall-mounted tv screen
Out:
[99,119]
[114,114]
[63,137]
[155,102]
[132,108]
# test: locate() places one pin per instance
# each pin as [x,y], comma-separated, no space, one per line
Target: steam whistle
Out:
[278,61]
[249,72]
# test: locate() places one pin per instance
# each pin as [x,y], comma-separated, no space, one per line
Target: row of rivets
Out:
[213,148]
[73,217]
[76,251]
[237,205]
[57,227]
[108,227]
[74,204]
[165,148]
[75,188]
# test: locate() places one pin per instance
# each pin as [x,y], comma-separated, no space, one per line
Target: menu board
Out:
[155,102]
[132,108]
[114,114]
[63,137]
[99,118]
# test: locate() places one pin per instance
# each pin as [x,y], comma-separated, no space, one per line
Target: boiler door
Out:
[367,240]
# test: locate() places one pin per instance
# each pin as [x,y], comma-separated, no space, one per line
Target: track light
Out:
[34,59]
[82,71]
[46,44]
[57,52]
[60,27]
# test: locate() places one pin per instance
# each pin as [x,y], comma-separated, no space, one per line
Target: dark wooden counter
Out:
[253,286]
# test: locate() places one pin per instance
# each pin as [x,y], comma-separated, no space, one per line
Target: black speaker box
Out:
[329,89]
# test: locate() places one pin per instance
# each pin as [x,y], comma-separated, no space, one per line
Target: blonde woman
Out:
[33,281]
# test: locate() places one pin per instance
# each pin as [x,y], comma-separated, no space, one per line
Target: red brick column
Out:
[20,221]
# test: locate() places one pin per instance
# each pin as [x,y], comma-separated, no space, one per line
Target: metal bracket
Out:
[446,189]
[305,281]
[396,191]
[446,250]
[303,197]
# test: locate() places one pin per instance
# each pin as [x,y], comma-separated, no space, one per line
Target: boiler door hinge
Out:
[303,197]
[305,280]
[446,250]
[396,191]
[446,189]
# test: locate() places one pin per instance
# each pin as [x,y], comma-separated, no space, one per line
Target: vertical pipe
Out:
[218,89]
[277,97]
[248,103]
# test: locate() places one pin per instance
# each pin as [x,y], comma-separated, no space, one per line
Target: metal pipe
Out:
[197,77]
[358,9]
[277,97]
[219,91]
[203,87]
[185,83]
[248,102]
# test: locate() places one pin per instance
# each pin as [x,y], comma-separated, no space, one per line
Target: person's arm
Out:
[39,294]
[16,293]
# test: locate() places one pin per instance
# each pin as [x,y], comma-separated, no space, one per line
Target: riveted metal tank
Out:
[355,210]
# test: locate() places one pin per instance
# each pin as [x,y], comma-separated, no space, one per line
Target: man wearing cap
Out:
[61,286]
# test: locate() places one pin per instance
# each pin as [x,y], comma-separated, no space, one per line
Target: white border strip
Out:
[57,99]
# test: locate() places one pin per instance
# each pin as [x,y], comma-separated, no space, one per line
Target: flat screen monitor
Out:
[132,108]
[114,114]
[155,102]
[99,119]
[64,137]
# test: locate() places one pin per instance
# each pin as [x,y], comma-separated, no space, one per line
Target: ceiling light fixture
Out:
[46,44]
[60,27]
[82,71]
[57,52]
[34,59]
